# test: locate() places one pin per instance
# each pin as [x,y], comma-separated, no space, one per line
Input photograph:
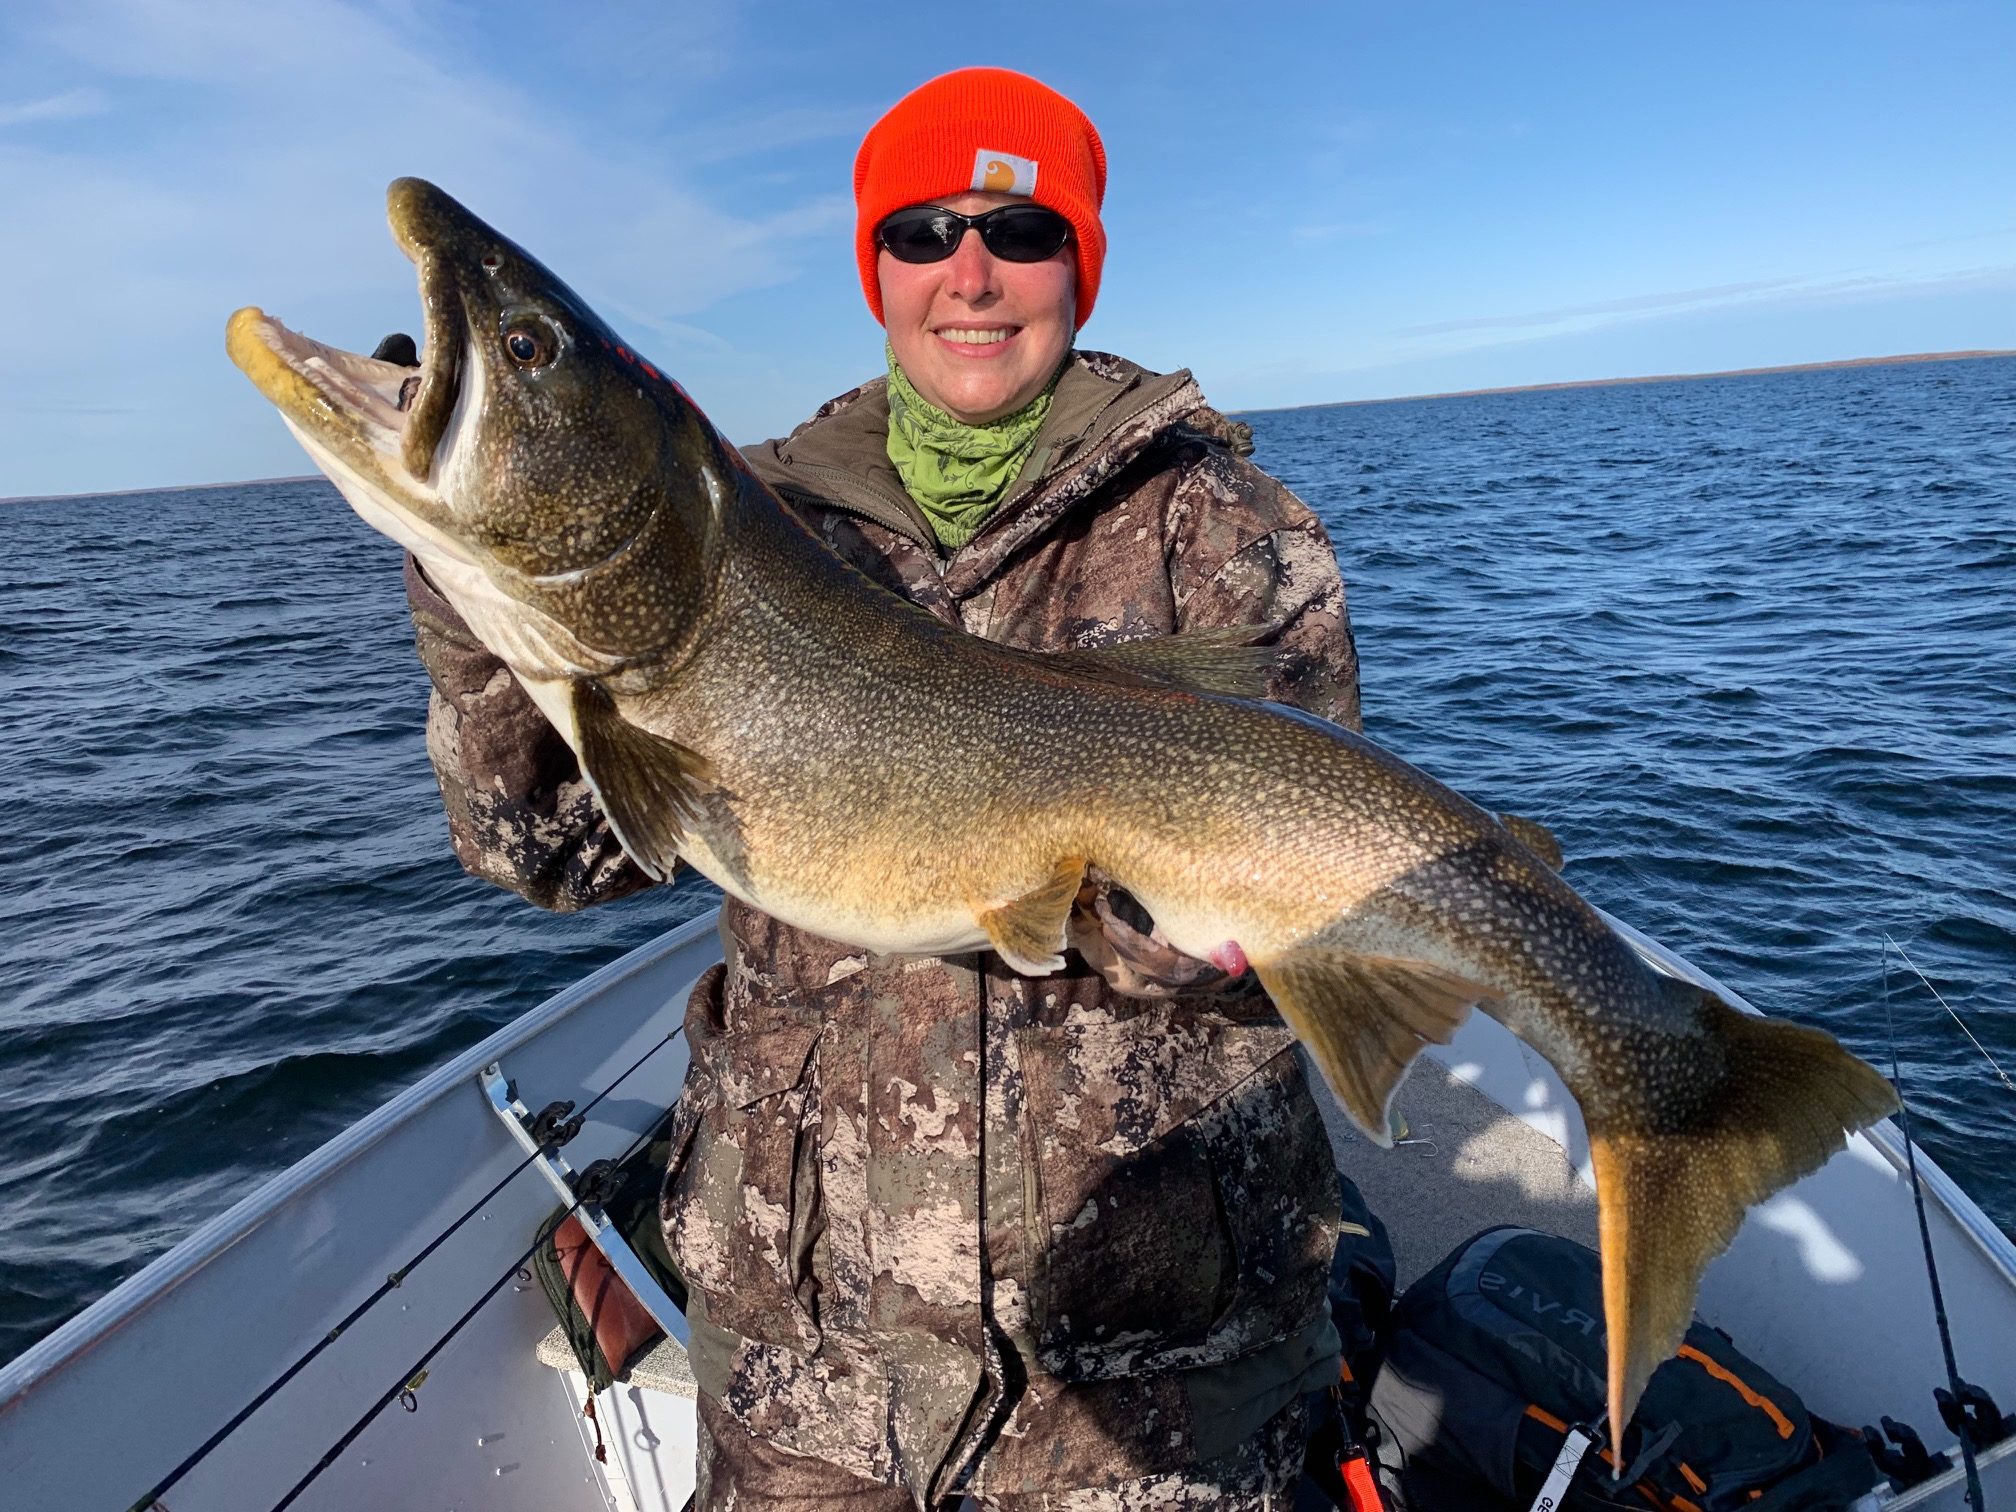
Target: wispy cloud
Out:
[271,131]
[69,105]
[298,114]
[726,141]
[1419,359]
[2000,233]
[1630,305]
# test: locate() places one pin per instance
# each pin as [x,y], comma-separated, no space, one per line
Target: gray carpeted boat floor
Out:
[1475,1165]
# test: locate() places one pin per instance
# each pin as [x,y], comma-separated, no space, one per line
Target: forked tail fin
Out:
[1672,1200]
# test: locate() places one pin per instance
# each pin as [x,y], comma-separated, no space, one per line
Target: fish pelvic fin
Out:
[1029,933]
[650,787]
[1216,659]
[1670,1202]
[1536,837]
[1364,1019]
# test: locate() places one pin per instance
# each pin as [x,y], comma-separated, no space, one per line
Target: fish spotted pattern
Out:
[871,773]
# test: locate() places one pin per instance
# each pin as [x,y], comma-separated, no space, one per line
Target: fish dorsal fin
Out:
[1217,659]
[1028,933]
[1669,1201]
[650,787]
[1365,1018]
[1536,837]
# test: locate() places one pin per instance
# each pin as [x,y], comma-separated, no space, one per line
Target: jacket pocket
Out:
[741,1199]
[1184,1193]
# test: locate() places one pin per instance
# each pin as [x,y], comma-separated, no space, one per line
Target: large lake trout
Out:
[742,701]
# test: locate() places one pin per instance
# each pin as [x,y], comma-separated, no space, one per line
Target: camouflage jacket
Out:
[942,1223]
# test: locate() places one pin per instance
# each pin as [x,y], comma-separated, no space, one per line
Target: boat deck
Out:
[267,1337]
[1463,1165]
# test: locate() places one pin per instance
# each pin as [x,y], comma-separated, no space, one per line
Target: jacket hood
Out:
[1106,412]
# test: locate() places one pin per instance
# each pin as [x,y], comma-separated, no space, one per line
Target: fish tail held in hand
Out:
[1670,1201]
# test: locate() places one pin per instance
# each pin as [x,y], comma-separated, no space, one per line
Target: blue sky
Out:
[1307,202]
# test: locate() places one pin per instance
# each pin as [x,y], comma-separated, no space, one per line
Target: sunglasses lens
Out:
[1025,233]
[920,236]
[1014,233]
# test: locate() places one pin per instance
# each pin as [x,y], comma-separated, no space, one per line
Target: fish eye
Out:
[530,344]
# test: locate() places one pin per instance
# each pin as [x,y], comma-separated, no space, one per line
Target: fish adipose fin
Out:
[1029,933]
[1218,659]
[650,787]
[1671,1200]
[1536,837]
[1364,1019]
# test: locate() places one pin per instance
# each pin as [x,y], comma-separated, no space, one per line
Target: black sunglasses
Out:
[1013,233]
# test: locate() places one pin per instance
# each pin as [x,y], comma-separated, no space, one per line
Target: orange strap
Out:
[1645,1489]
[1547,1419]
[1540,1414]
[1763,1404]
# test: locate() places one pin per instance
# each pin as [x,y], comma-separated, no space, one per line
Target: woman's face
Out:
[978,336]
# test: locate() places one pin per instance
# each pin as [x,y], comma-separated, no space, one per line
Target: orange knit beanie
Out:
[983,128]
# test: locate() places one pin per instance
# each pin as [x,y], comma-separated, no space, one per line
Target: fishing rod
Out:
[1975,1496]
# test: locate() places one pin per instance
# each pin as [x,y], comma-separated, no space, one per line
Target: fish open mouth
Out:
[379,429]
[385,420]
[303,376]
[374,415]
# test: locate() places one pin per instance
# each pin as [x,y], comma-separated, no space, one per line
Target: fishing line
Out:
[1974,1495]
[1995,1064]
[396,1279]
[438,1345]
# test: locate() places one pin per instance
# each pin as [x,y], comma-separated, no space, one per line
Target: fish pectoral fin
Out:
[1217,659]
[1670,1201]
[1029,932]
[650,787]
[1365,1018]
[1536,837]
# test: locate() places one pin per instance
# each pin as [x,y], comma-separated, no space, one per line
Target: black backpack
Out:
[1497,1352]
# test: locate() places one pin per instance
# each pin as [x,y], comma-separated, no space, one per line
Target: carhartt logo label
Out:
[1003,172]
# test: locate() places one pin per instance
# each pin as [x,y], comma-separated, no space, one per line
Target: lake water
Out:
[1748,645]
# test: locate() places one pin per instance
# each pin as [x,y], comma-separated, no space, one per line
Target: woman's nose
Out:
[969,272]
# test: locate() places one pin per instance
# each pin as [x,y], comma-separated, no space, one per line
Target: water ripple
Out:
[1745,645]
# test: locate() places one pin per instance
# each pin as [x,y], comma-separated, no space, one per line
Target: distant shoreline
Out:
[125,493]
[1584,383]
[1522,388]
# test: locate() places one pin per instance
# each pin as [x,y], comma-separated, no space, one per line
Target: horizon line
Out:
[1966,355]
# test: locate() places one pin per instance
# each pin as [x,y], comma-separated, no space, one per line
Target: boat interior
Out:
[366,1329]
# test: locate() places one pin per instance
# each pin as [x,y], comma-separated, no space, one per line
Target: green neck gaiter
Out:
[957,473]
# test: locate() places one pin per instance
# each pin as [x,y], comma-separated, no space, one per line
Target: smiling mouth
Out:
[975,336]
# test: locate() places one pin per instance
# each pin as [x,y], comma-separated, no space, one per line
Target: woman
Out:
[1054,1242]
